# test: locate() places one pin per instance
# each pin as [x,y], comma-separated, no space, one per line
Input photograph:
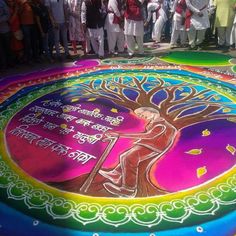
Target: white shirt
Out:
[109,25]
[57,9]
[197,6]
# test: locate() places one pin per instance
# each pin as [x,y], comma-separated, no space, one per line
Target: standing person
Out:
[17,35]
[5,36]
[57,10]
[156,140]
[233,32]
[197,21]
[44,23]
[75,26]
[134,26]
[178,26]
[92,19]
[29,28]
[224,21]
[155,9]
[114,26]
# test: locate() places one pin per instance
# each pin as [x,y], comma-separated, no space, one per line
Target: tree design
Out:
[181,103]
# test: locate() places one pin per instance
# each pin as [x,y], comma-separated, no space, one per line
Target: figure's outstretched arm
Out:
[153,133]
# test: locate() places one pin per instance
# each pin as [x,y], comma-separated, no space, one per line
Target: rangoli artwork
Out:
[119,147]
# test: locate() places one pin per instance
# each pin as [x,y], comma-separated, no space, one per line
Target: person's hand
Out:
[42,34]
[111,134]
[84,27]
[200,14]
[145,24]
[55,25]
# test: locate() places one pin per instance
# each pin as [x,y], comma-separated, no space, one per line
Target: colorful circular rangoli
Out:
[96,149]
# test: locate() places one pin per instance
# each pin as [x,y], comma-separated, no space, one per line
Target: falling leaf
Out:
[65,110]
[96,110]
[206,132]
[201,171]
[38,114]
[114,110]
[217,98]
[65,92]
[184,94]
[91,99]
[194,152]
[225,110]
[74,99]
[232,119]
[63,126]
[231,149]
[201,96]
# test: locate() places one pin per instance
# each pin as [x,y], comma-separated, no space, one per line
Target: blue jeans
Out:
[6,56]
[61,30]
[31,42]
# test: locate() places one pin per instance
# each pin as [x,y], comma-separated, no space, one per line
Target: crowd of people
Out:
[36,30]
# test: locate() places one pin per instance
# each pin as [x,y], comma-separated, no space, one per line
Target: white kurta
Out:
[233,33]
[160,20]
[109,25]
[134,28]
[115,34]
[177,18]
[197,6]
[75,26]
[178,28]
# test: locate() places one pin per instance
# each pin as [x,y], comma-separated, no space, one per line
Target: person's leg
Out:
[27,42]
[74,46]
[46,47]
[159,26]
[93,40]
[174,36]
[120,41]
[57,41]
[100,42]
[51,41]
[200,37]
[130,41]
[227,36]
[63,30]
[7,48]
[221,35]
[139,40]
[3,57]
[130,161]
[183,37]
[111,37]
[34,34]
[192,37]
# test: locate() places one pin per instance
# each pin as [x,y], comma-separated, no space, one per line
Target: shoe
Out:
[120,191]
[226,49]
[114,176]
[172,46]
[59,59]
[130,55]
[69,57]
[192,47]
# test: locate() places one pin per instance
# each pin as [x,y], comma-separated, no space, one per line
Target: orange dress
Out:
[14,22]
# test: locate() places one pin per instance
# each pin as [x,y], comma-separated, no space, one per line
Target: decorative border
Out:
[148,215]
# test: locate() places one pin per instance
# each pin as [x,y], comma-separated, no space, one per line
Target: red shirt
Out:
[133,10]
